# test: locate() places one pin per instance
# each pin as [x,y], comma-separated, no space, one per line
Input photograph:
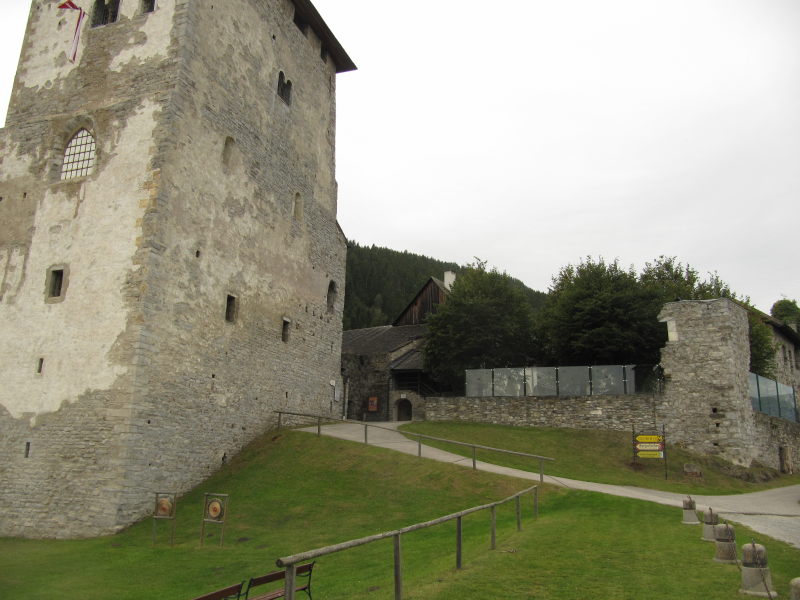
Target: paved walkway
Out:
[775,512]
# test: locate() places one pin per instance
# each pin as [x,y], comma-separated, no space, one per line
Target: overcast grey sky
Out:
[533,133]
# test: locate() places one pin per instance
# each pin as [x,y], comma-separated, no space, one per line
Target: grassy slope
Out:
[297,492]
[599,456]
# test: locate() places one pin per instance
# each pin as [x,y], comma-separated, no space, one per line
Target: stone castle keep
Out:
[171,267]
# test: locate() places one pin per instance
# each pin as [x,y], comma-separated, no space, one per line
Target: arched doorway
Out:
[403,410]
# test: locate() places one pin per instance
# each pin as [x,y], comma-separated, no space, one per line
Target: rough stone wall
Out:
[777,443]
[706,361]
[618,413]
[787,360]
[145,385]
[367,376]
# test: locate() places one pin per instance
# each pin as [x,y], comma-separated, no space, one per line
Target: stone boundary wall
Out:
[617,413]
[771,436]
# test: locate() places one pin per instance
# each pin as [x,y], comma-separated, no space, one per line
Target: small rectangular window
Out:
[27,449]
[40,366]
[231,309]
[55,284]
[285,330]
[148,6]
[301,24]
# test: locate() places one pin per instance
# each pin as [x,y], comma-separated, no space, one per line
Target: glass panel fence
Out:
[573,381]
[608,379]
[479,382]
[541,381]
[509,382]
[786,402]
[752,384]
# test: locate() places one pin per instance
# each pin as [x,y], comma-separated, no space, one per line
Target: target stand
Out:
[215,508]
[164,508]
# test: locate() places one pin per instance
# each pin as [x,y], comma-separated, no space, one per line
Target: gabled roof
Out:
[380,340]
[308,14]
[431,281]
[413,360]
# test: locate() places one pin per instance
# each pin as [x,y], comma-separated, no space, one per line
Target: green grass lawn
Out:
[294,492]
[598,456]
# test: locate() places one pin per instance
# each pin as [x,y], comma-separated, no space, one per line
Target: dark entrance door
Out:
[403,410]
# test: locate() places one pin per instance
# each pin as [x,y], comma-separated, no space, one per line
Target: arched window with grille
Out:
[80,156]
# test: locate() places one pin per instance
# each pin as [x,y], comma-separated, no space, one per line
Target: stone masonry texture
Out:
[134,381]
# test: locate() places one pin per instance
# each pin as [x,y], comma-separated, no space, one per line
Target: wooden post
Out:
[398,569]
[459,532]
[494,527]
[280,418]
[541,470]
[536,503]
[519,514]
[288,584]
[365,433]
[474,465]
[319,426]
[419,447]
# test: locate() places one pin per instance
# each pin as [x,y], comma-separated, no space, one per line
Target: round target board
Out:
[215,509]
[164,507]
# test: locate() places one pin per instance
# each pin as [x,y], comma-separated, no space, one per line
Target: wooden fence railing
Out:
[325,418]
[289,563]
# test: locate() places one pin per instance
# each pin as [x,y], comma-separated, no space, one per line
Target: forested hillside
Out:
[381,282]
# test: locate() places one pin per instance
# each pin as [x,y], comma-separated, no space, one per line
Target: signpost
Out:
[650,445]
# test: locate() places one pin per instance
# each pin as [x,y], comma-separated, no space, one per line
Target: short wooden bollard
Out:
[474,463]
[365,433]
[288,583]
[519,513]
[536,503]
[494,527]
[398,568]
[459,536]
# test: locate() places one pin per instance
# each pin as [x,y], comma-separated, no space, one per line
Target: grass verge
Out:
[598,456]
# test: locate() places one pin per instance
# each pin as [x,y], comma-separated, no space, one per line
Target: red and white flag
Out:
[76,38]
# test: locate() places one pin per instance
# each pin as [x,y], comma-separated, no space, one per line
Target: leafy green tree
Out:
[762,347]
[787,311]
[599,313]
[486,322]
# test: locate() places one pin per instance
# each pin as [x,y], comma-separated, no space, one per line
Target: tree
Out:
[787,311]
[599,313]
[762,347]
[485,323]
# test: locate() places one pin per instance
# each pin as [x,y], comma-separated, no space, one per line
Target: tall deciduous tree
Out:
[787,311]
[599,313]
[486,322]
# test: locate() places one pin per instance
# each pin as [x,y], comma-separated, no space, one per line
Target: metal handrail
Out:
[290,562]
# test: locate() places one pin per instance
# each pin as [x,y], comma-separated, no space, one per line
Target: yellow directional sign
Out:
[650,454]
[649,438]
[649,446]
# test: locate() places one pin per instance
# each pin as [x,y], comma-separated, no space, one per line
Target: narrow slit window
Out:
[105,12]
[55,283]
[39,366]
[284,88]
[287,324]
[297,207]
[231,309]
[79,156]
[27,449]
[333,293]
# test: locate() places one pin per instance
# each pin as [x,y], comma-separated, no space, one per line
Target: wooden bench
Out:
[232,592]
[302,571]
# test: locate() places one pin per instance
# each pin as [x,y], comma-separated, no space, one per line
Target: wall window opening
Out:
[105,12]
[39,366]
[231,309]
[333,293]
[148,6]
[27,449]
[297,207]
[55,283]
[300,22]
[286,327]
[79,156]
[284,88]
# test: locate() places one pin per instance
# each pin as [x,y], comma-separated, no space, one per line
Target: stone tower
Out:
[171,267]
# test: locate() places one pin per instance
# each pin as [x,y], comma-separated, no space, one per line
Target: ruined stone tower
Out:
[171,268]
